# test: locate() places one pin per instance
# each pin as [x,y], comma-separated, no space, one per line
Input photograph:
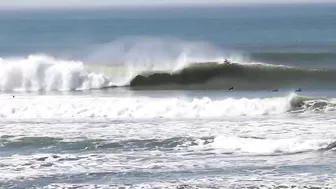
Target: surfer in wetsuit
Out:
[299,90]
[231,89]
[226,61]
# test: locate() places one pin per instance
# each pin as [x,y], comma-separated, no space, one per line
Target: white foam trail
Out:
[38,72]
[267,146]
[138,107]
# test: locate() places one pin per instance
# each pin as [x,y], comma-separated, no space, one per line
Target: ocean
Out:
[139,97]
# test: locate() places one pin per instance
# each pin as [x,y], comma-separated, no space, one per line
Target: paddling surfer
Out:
[298,90]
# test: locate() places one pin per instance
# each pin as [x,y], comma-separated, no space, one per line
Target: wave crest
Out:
[46,73]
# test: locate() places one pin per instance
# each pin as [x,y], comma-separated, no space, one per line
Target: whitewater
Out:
[46,73]
[173,98]
[137,141]
[156,108]
[170,123]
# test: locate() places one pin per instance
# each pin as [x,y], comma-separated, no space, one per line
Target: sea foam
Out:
[138,107]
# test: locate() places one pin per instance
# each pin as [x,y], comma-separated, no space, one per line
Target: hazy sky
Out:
[91,3]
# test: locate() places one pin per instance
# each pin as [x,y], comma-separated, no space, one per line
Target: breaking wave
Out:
[109,65]
[48,74]
[149,108]
[214,75]
[149,63]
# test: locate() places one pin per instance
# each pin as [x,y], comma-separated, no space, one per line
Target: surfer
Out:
[299,90]
[275,90]
[231,89]
[226,61]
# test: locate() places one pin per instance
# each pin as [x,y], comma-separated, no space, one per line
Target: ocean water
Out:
[139,97]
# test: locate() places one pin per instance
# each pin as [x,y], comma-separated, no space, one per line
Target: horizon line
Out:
[160,5]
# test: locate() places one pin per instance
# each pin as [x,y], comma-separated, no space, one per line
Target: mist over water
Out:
[154,50]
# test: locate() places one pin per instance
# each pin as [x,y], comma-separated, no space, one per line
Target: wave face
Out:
[241,76]
[148,108]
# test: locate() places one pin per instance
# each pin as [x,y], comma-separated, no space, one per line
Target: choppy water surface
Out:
[80,141]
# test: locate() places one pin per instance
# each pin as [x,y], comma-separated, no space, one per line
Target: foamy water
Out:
[138,107]
[125,152]
[107,65]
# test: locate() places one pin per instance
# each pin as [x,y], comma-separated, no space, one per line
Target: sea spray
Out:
[123,59]
[39,72]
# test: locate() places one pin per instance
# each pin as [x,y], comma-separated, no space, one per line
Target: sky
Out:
[116,3]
